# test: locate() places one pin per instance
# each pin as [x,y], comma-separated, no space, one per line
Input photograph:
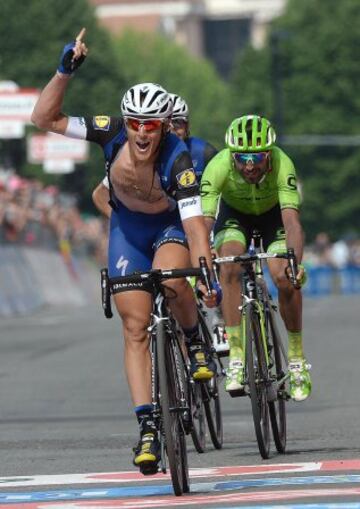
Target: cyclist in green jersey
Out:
[255,182]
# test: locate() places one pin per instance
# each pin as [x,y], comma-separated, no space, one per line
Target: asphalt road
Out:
[65,408]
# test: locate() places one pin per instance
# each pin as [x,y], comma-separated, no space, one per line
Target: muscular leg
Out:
[290,299]
[172,255]
[176,256]
[290,304]
[134,308]
[232,300]
[231,285]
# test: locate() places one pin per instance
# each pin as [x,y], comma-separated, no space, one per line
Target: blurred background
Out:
[296,63]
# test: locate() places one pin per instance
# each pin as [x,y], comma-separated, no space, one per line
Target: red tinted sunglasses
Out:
[149,125]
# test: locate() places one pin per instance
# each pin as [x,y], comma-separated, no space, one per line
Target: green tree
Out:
[150,57]
[318,56]
[32,35]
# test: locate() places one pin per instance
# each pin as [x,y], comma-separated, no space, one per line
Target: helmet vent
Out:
[142,97]
[155,96]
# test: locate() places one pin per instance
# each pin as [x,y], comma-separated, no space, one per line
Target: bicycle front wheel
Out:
[210,392]
[256,368]
[277,408]
[171,408]
[198,432]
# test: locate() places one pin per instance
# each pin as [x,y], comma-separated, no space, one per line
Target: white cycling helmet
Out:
[146,100]
[180,109]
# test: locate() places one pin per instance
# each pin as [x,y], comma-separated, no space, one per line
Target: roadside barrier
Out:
[31,278]
[324,281]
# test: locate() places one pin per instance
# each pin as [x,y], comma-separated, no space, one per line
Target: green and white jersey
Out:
[220,178]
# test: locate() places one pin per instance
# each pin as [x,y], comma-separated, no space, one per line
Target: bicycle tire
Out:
[277,408]
[198,429]
[256,369]
[210,393]
[171,420]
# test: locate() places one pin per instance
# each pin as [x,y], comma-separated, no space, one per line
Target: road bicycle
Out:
[175,396]
[266,378]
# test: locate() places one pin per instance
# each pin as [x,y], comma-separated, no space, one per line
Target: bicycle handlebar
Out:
[163,274]
[249,258]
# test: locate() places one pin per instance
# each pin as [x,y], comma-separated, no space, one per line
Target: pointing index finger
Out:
[80,35]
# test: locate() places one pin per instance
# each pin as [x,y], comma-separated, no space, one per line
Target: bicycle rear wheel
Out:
[256,368]
[170,396]
[210,392]
[277,408]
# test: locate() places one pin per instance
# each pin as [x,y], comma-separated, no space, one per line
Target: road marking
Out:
[131,476]
[345,505]
[200,500]
[151,491]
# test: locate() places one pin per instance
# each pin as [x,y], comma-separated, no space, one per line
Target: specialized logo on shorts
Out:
[186,178]
[122,264]
[101,123]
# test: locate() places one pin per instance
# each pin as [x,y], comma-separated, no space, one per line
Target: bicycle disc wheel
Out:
[170,404]
[257,377]
[198,434]
[210,393]
[277,408]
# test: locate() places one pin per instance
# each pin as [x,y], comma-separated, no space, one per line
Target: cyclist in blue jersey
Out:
[201,151]
[156,221]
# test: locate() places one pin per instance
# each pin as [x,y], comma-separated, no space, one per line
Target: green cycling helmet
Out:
[250,133]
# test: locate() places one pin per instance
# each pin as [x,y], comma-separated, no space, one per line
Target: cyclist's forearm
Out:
[198,240]
[47,111]
[199,247]
[295,239]
[209,221]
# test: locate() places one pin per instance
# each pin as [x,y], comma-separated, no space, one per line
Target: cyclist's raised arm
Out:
[47,113]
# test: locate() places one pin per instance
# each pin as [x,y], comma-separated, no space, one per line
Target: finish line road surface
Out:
[65,413]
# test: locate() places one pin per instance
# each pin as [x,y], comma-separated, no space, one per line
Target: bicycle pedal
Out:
[149,469]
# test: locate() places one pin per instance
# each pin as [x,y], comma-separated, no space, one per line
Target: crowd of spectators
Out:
[344,252]
[32,214]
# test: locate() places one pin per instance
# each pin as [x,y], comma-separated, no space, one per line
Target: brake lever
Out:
[293,268]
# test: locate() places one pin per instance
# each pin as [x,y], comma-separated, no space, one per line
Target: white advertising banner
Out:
[11,129]
[51,147]
[59,166]
[18,105]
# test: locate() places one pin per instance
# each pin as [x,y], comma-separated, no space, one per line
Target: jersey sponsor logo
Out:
[231,223]
[187,178]
[101,123]
[188,203]
[204,184]
[291,182]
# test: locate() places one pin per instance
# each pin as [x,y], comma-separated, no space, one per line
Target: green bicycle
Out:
[266,378]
